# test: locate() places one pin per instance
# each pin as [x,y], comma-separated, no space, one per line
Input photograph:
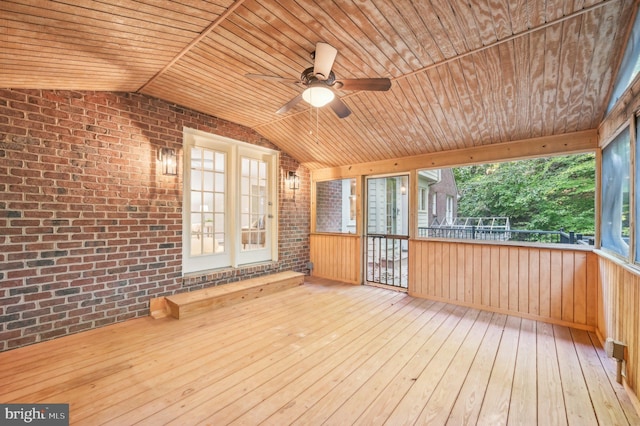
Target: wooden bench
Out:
[184,305]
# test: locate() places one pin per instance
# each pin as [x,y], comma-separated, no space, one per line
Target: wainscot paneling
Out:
[619,311]
[336,257]
[547,284]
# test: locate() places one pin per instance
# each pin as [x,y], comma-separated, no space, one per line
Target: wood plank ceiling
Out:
[464,72]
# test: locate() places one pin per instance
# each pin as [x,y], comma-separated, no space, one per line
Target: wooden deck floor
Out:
[324,353]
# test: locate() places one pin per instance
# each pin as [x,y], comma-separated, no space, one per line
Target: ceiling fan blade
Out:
[286,107]
[374,84]
[272,78]
[339,107]
[324,57]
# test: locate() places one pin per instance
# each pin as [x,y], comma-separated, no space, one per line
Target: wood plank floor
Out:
[324,353]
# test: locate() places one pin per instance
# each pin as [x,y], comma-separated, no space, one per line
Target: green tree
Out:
[539,194]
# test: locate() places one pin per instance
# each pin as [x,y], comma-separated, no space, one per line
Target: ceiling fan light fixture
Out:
[318,96]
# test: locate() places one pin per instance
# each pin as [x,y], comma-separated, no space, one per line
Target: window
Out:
[422,198]
[434,207]
[449,210]
[336,206]
[614,232]
[229,198]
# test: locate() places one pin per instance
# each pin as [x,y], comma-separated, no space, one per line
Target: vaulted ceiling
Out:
[464,72]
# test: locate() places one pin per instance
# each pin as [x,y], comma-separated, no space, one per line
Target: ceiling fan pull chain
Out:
[317,126]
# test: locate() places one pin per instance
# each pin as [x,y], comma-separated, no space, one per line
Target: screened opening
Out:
[545,200]
[336,206]
[616,163]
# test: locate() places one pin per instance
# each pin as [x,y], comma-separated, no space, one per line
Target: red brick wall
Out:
[329,206]
[446,186]
[90,229]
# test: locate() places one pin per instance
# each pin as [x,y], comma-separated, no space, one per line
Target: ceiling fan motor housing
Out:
[308,77]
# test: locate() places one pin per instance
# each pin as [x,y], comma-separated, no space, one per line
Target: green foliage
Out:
[540,194]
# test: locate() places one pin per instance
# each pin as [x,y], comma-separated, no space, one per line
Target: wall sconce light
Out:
[167,157]
[294,180]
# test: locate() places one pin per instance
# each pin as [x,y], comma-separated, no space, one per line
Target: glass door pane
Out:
[207,209]
[253,201]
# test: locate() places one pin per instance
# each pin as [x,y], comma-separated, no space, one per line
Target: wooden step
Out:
[184,305]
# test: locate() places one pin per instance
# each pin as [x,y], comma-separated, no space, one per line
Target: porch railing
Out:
[480,233]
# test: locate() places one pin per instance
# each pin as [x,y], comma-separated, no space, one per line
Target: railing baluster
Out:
[389,274]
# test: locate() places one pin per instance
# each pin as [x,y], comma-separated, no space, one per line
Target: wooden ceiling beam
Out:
[570,143]
[194,42]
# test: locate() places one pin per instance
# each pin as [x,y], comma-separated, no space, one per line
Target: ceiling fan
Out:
[319,81]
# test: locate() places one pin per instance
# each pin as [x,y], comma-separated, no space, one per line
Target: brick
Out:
[35,313]
[68,307]
[37,296]
[21,307]
[80,312]
[91,302]
[16,343]
[23,290]
[67,291]
[39,280]
[52,334]
[12,213]
[40,262]
[52,302]
[21,324]
[85,326]
[9,301]
[52,317]
[8,318]
[38,329]
[9,335]
[66,322]
[54,286]
[54,253]
[11,265]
